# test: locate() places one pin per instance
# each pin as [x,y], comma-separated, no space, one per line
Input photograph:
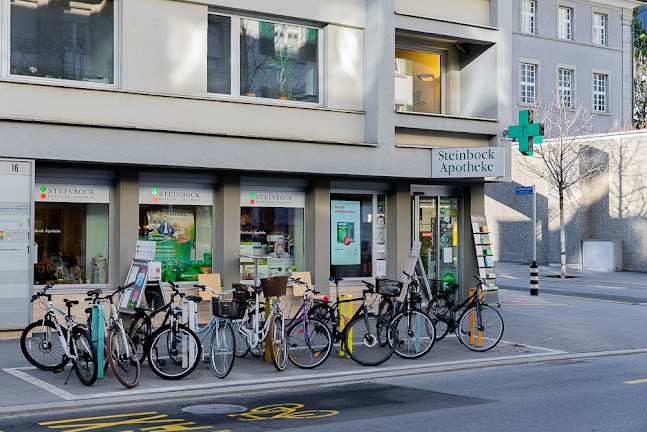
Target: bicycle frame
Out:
[52,310]
[255,336]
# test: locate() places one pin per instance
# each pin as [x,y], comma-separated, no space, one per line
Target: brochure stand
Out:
[132,297]
[484,258]
[415,268]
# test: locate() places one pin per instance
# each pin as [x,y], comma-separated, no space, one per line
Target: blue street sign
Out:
[525,190]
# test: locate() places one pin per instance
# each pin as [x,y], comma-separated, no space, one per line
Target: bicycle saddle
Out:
[141,310]
[94,292]
[70,303]
[194,298]
[335,280]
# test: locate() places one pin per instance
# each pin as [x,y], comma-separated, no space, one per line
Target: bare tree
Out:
[640,90]
[564,158]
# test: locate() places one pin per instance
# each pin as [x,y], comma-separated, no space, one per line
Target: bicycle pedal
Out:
[58,370]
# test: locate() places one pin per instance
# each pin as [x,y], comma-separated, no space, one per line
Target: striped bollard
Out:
[534,278]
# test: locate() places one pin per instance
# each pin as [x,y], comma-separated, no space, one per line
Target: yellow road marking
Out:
[282,411]
[636,381]
[145,418]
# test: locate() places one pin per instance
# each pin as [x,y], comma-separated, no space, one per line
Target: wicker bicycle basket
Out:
[382,284]
[231,309]
[274,286]
[243,292]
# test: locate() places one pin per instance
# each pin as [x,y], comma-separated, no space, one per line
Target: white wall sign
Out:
[259,198]
[72,193]
[468,162]
[145,250]
[173,195]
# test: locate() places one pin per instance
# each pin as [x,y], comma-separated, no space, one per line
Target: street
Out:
[566,362]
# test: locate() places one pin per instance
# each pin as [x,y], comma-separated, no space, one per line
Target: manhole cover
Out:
[215,409]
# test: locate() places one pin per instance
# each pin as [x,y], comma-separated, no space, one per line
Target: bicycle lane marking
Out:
[282,411]
[639,381]
[161,422]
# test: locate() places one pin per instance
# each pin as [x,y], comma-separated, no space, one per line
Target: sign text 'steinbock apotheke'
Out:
[468,162]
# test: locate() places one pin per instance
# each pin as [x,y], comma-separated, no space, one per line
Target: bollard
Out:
[534,278]
[188,318]
[267,355]
[99,335]
[479,333]
[345,312]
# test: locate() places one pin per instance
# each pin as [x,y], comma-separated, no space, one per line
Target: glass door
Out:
[436,225]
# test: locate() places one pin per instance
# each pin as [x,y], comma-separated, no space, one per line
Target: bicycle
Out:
[122,353]
[222,345]
[309,340]
[479,327]
[173,349]
[242,346]
[272,331]
[49,346]
[415,332]
[365,336]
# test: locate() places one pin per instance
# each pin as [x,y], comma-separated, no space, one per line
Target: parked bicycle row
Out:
[170,338]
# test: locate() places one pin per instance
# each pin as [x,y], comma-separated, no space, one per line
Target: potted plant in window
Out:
[249,83]
[280,71]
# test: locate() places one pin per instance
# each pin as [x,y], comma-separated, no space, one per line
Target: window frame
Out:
[443,72]
[235,85]
[603,29]
[571,88]
[535,65]
[530,15]
[5,55]
[567,21]
[605,93]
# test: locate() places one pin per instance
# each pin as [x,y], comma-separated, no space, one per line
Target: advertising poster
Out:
[345,241]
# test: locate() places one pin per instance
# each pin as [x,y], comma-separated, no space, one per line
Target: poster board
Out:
[484,258]
[132,297]
[345,231]
[415,268]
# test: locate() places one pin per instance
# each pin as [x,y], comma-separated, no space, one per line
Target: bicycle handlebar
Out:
[43,292]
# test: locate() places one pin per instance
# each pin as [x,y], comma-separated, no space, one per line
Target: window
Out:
[219,54]
[528,79]
[71,40]
[599,29]
[271,224]
[600,92]
[528,16]
[565,23]
[279,61]
[351,231]
[180,221]
[418,77]
[71,234]
[565,87]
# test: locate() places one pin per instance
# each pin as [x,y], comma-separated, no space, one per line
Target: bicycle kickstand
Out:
[68,375]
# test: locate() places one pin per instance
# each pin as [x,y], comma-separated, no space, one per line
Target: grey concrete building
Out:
[580,48]
[220,128]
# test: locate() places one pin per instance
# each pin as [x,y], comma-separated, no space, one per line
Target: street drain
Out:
[215,409]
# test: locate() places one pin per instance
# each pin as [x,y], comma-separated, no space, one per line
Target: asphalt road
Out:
[598,394]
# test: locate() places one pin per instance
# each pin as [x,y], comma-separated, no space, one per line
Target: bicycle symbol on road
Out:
[283,411]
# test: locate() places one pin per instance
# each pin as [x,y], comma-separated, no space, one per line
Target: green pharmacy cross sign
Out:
[526,133]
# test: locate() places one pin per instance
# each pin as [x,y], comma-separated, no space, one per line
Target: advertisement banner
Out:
[345,241]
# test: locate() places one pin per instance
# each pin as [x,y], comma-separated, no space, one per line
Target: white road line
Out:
[18,373]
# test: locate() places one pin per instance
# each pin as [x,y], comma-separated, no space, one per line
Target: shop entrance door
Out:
[16,240]
[436,226]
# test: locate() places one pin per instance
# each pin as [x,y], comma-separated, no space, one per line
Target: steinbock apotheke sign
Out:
[72,193]
[252,198]
[468,162]
[171,195]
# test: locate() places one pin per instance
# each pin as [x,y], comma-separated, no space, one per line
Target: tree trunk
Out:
[562,235]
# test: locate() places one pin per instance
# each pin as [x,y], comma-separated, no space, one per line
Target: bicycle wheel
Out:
[123,358]
[41,345]
[485,336]
[174,352]
[222,348]
[323,313]
[85,363]
[385,309]
[138,332]
[362,340]
[414,334]
[278,343]
[242,346]
[439,311]
[309,344]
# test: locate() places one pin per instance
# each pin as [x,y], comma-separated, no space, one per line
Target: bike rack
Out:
[99,334]
[345,312]
[189,317]
[479,335]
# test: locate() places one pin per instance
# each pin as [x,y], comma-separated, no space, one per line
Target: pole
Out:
[534,268]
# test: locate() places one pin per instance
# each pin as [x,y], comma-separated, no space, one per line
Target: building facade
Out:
[578,50]
[219,128]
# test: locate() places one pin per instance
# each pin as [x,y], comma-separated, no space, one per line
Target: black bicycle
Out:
[365,337]
[479,327]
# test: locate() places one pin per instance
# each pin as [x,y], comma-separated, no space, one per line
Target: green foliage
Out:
[280,71]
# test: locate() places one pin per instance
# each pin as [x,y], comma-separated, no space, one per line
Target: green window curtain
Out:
[266,43]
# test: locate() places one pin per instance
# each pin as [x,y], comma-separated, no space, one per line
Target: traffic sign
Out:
[525,190]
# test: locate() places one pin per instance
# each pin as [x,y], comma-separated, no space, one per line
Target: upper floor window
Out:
[527,82]
[418,78]
[279,61]
[599,29]
[565,23]
[64,39]
[528,8]
[565,87]
[600,82]
[219,54]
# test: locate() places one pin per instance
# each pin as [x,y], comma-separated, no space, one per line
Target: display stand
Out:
[484,257]
[415,268]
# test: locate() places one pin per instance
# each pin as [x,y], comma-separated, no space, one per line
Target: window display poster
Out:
[345,225]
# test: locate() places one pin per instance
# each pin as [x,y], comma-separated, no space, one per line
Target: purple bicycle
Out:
[309,340]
